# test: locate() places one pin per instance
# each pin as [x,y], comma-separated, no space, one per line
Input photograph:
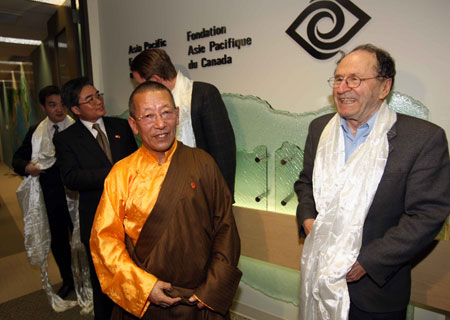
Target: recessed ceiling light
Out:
[15,62]
[54,2]
[21,41]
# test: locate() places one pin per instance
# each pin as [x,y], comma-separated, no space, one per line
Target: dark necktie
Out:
[103,141]
[55,126]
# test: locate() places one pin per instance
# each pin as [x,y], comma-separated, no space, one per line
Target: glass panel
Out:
[251,178]
[288,164]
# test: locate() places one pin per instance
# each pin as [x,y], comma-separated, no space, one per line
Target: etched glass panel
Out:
[288,164]
[251,178]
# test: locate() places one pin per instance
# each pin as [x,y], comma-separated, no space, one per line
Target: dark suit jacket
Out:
[410,205]
[84,165]
[22,156]
[212,129]
[50,179]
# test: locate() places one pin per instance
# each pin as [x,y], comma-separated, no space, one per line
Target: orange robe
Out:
[185,234]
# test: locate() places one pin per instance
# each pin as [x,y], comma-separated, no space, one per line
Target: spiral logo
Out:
[326,43]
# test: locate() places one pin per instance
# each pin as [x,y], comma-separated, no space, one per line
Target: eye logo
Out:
[324,45]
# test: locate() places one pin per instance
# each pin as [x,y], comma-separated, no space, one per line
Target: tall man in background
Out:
[164,241]
[86,153]
[204,121]
[374,191]
[36,157]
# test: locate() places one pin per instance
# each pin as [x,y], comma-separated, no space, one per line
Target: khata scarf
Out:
[343,193]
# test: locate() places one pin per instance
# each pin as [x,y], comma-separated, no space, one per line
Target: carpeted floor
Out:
[9,230]
[35,306]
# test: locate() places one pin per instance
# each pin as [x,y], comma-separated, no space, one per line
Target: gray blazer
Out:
[410,205]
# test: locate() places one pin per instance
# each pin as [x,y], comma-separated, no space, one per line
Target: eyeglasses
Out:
[150,118]
[351,82]
[98,96]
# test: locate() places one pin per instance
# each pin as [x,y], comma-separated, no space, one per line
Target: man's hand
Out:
[33,170]
[356,272]
[307,225]
[158,297]
[199,304]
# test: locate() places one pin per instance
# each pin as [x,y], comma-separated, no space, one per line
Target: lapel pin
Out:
[117,136]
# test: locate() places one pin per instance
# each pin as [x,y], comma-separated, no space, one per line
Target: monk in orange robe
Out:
[164,241]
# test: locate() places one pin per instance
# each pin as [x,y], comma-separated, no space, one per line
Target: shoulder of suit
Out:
[115,120]
[33,128]
[322,120]
[203,86]
[71,130]
[413,124]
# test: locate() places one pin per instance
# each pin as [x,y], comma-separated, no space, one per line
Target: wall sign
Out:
[218,45]
[133,49]
[325,45]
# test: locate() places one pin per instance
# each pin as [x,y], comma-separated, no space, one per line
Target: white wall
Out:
[274,67]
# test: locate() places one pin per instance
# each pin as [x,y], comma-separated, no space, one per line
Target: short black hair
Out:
[47,92]
[70,92]
[151,86]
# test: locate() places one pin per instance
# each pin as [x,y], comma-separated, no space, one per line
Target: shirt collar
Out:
[89,125]
[50,124]
[368,125]
[168,154]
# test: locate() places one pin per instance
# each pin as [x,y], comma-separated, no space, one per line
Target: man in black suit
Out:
[86,153]
[30,159]
[373,193]
[204,121]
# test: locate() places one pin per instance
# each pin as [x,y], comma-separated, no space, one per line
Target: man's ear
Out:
[387,84]
[43,108]
[75,110]
[157,78]
[132,123]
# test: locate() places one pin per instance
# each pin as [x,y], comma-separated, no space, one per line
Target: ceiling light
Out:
[21,41]
[16,71]
[15,62]
[54,2]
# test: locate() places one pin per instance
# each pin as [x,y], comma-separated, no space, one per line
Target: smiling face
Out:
[157,134]
[357,105]
[90,105]
[54,108]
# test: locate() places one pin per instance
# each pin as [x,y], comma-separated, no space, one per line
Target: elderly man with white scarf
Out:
[373,193]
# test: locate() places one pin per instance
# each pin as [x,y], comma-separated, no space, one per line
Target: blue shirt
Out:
[354,141]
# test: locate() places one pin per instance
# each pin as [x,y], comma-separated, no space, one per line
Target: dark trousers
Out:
[358,314]
[103,305]
[59,221]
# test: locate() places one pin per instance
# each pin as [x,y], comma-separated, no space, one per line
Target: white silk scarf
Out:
[182,94]
[36,228]
[343,193]
[43,150]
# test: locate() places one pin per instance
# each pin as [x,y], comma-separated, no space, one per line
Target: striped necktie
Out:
[102,141]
